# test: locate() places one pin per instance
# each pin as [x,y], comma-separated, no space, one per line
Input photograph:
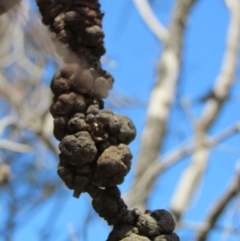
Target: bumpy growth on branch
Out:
[94,141]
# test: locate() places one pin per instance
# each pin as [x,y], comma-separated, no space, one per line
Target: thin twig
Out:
[162,97]
[151,20]
[7,121]
[218,207]
[191,177]
[173,156]
[14,146]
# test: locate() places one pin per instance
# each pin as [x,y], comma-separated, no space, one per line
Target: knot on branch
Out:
[87,79]
[94,154]
[90,136]
[155,225]
[76,24]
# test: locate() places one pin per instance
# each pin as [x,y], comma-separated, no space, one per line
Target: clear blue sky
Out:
[136,52]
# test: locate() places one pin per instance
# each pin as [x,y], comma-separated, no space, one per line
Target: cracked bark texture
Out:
[94,141]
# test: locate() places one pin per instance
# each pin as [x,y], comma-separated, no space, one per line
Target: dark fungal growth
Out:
[94,156]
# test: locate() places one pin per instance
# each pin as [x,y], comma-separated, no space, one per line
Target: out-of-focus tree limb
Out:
[30,119]
[173,156]
[192,175]
[151,20]
[218,208]
[72,232]
[14,146]
[6,121]
[162,97]
[5,5]
[31,109]
[26,55]
[5,174]
[14,51]
[202,227]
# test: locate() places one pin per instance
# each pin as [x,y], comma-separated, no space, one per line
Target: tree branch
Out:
[151,20]
[192,175]
[5,5]
[218,207]
[172,157]
[162,96]
[13,146]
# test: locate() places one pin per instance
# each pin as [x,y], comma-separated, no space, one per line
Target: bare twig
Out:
[173,156]
[6,121]
[5,5]
[72,232]
[192,175]
[13,146]
[218,207]
[202,227]
[162,96]
[25,101]
[30,119]
[151,20]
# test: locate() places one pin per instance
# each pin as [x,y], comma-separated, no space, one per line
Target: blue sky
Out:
[136,52]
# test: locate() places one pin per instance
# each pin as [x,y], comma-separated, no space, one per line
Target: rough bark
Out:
[94,154]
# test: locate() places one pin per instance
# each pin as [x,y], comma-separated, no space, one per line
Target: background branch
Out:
[163,163]
[151,20]
[161,97]
[192,175]
[218,208]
